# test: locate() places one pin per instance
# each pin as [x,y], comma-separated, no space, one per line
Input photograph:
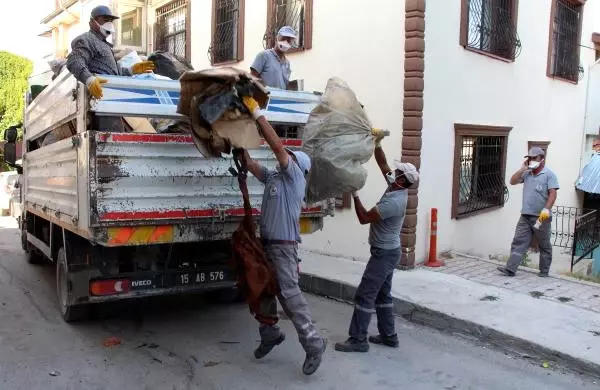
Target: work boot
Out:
[352,345]
[313,360]
[506,271]
[543,274]
[390,341]
[265,347]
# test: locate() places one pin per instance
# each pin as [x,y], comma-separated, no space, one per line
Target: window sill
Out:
[562,79]
[475,213]
[231,62]
[490,55]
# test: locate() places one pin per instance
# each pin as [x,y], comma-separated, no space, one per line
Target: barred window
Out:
[490,26]
[172,29]
[294,13]
[131,26]
[565,32]
[227,44]
[479,169]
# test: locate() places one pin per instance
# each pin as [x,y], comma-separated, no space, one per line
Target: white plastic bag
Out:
[130,59]
[338,139]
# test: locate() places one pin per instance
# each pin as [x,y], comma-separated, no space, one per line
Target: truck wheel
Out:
[69,311]
[32,255]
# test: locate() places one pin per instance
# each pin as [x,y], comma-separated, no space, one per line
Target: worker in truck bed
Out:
[280,234]
[92,55]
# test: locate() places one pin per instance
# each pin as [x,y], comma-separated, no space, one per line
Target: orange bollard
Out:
[432,261]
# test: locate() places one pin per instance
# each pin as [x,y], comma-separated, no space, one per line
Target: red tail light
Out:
[109,287]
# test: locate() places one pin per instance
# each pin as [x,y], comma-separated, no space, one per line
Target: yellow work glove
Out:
[143,67]
[378,134]
[544,215]
[94,85]
[252,106]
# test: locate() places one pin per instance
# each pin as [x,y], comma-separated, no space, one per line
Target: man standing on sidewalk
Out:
[539,194]
[374,291]
[280,233]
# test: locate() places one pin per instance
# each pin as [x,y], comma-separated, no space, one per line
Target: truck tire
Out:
[68,310]
[31,254]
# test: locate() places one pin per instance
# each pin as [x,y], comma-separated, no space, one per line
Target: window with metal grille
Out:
[294,13]
[172,29]
[227,44]
[565,29]
[479,169]
[131,27]
[490,26]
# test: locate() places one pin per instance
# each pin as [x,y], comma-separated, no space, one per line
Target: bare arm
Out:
[552,194]
[381,161]
[517,177]
[274,142]
[364,216]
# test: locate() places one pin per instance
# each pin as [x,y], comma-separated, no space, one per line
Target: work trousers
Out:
[374,295]
[524,233]
[285,260]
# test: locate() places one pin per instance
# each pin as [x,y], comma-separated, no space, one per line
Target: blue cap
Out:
[287,31]
[102,10]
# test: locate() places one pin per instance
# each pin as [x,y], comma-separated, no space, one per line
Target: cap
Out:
[302,159]
[535,151]
[287,31]
[102,10]
[409,170]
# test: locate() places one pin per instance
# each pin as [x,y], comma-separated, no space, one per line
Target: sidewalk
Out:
[501,312]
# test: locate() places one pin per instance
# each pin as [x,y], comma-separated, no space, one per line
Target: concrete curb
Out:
[443,322]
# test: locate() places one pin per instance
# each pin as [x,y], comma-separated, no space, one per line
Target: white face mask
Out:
[107,28]
[391,177]
[534,164]
[283,46]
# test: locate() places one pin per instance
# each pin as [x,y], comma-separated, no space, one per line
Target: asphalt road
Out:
[187,343]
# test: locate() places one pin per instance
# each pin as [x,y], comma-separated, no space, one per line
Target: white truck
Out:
[126,215]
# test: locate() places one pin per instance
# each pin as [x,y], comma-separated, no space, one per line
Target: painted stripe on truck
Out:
[169,138]
[140,235]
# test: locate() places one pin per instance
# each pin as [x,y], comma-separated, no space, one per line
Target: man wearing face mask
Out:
[374,291]
[92,55]
[540,187]
[271,65]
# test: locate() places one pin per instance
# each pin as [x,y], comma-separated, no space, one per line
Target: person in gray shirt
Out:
[373,294]
[271,65]
[540,187]
[280,233]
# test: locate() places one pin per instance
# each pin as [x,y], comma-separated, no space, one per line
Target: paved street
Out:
[186,343]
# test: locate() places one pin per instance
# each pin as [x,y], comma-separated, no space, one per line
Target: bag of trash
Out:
[169,65]
[338,138]
[130,59]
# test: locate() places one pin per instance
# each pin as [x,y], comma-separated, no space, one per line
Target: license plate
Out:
[200,277]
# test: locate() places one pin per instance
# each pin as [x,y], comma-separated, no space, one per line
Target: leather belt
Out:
[278,242]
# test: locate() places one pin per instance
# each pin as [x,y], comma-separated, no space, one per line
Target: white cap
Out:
[287,31]
[303,160]
[409,170]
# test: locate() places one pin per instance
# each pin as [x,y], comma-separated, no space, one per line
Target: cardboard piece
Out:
[139,125]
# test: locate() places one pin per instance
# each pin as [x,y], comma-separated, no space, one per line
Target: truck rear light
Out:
[109,287]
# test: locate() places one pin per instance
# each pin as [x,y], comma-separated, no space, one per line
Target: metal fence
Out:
[224,46]
[565,41]
[481,179]
[586,236]
[286,13]
[563,225]
[492,28]
[171,28]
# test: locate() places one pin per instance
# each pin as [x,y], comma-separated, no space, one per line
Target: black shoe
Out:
[390,341]
[265,347]
[313,361]
[543,274]
[506,271]
[352,345]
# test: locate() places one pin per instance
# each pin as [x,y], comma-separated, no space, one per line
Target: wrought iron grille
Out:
[171,28]
[224,46]
[586,237]
[565,41]
[481,174]
[492,28]
[131,31]
[286,13]
[563,225]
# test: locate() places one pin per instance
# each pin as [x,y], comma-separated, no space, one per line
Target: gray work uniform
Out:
[92,55]
[274,70]
[279,228]
[374,293]
[535,196]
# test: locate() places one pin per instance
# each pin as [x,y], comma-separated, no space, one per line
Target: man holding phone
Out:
[540,187]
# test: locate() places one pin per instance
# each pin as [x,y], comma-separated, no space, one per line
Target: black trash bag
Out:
[169,65]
